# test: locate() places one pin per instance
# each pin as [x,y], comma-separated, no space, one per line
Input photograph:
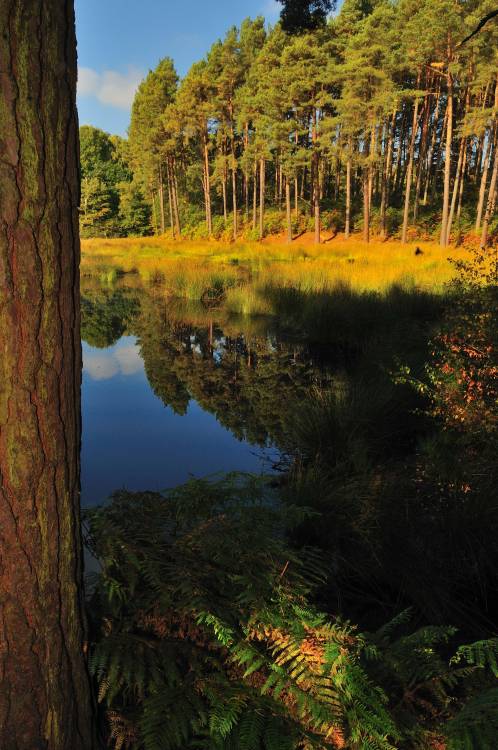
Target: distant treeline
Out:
[381,120]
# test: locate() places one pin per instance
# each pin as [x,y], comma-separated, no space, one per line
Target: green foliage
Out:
[111,203]
[205,636]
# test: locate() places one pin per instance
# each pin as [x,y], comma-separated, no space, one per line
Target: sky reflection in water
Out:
[131,440]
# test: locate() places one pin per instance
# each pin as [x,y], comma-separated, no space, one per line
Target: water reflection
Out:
[227,385]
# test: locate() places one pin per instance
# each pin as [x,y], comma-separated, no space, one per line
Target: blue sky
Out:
[120,40]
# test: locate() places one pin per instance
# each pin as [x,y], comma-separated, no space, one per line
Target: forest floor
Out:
[194,268]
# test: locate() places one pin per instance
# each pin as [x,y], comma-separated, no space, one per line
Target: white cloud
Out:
[271,10]
[110,87]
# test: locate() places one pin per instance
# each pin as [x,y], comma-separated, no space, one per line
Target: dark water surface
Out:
[172,391]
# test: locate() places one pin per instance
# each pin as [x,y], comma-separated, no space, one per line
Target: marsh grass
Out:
[240,274]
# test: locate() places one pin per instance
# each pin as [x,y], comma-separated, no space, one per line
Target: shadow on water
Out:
[314,383]
[367,512]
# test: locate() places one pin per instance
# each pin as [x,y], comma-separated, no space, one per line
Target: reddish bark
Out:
[45,694]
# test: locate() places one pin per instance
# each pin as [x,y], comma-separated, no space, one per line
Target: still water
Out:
[173,391]
[132,440]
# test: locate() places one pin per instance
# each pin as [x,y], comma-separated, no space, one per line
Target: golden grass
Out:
[190,269]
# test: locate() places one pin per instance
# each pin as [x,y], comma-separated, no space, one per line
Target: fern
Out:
[207,637]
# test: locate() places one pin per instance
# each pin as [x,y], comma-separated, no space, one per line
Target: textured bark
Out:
[234,202]
[262,171]
[170,200]
[386,178]
[430,153]
[174,186]
[288,209]
[456,187]
[255,196]
[347,228]
[315,172]
[491,203]
[161,200]
[207,183]
[409,171]
[45,695]
[443,240]
[484,181]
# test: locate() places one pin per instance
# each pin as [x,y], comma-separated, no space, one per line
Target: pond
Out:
[174,390]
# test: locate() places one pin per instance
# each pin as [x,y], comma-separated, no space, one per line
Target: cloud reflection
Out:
[119,360]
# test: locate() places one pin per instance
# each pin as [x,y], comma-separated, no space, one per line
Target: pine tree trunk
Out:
[456,186]
[443,240]
[484,181]
[421,154]
[207,186]
[492,147]
[234,203]
[296,197]
[255,196]
[170,199]
[288,209]
[246,174]
[462,181]
[366,208]
[45,701]
[261,198]
[491,203]
[315,171]
[386,176]
[234,180]
[430,152]
[154,210]
[347,227]
[161,200]
[409,171]
[224,194]
[175,198]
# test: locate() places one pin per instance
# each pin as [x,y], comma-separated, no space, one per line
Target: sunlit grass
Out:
[240,272]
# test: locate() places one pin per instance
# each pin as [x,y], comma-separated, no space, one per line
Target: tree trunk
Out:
[456,186]
[170,199]
[224,194]
[422,150]
[460,192]
[154,211]
[490,206]
[261,198]
[315,172]
[366,195]
[246,175]
[366,207]
[45,699]
[386,178]
[443,240]
[234,198]
[484,181]
[207,186]
[255,196]
[409,171]
[288,209]
[492,148]
[175,198]
[161,200]
[347,227]
[430,152]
